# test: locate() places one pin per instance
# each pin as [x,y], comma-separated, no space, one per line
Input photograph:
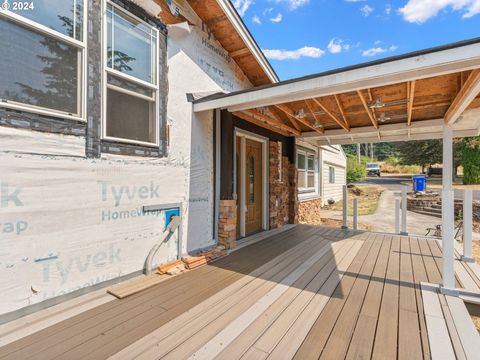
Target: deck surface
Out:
[306,293]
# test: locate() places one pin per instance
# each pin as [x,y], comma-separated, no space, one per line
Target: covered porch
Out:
[304,292]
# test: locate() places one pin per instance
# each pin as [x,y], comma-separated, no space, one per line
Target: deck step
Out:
[433,210]
[423,212]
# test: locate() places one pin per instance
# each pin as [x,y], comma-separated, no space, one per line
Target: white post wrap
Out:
[355,214]
[397,216]
[467,226]
[404,211]
[345,207]
[448,216]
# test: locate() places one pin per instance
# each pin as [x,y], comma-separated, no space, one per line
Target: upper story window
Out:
[131,63]
[42,57]
[306,170]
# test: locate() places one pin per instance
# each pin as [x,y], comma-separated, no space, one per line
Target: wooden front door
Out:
[253,186]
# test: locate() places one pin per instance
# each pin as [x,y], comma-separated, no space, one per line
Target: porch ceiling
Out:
[395,99]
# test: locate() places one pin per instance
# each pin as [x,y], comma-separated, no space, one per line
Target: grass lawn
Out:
[367,195]
[338,223]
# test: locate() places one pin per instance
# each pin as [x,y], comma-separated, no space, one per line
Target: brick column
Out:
[227,224]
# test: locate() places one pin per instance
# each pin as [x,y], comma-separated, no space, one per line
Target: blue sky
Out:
[302,37]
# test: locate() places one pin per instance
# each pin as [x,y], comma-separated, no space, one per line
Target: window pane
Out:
[130,45]
[57,15]
[301,161]
[301,179]
[311,165]
[129,117]
[128,85]
[311,180]
[37,69]
[251,172]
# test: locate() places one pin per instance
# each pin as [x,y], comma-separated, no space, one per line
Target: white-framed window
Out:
[306,170]
[331,175]
[43,57]
[131,78]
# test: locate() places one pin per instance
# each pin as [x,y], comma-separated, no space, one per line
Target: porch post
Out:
[397,215]
[404,211]
[448,213]
[345,207]
[467,226]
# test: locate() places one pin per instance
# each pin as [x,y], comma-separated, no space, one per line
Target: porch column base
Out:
[449,291]
[344,227]
[403,233]
[467,259]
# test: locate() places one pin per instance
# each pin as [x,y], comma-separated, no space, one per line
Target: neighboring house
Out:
[321,176]
[99,145]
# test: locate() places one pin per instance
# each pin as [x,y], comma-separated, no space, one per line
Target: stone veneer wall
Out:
[227,224]
[283,199]
[309,212]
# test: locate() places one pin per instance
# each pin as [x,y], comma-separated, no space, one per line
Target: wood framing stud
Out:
[367,109]
[342,112]
[411,98]
[467,94]
[336,119]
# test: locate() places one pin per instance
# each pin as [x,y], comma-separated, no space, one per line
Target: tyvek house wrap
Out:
[68,223]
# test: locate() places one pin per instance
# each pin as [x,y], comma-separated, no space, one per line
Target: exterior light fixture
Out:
[377,104]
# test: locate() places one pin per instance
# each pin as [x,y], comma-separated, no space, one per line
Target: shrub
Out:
[471,165]
[392,161]
[355,171]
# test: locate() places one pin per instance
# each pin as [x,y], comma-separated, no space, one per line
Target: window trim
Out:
[107,70]
[332,180]
[308,152]
[82,69]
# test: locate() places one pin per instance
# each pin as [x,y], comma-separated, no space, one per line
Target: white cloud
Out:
[367,10]
[306,51]
[336,46]
[388,9]
[419,11]
[293,4]
[277,18]
[378,50]
[267,11]
[242,6]
[256,19]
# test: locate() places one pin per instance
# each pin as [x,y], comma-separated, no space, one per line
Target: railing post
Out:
[355,214]
[345,207]
[397,216]
[467,226]
[404,211]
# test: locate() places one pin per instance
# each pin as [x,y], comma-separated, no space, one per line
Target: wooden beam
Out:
[287,111]
[340,108]
[291,115]
[411,98]
[329,113]
[274,122]
[467,94]
[312,111]
[367,109]
[253,120]
[240,52]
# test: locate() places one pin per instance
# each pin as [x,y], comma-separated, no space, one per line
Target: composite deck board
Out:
[317,338]
[306,293]
[188,289]
[386,336]
[409,337]
[361,344]
[339,340]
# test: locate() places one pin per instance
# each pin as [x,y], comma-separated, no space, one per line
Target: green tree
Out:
[423,153]
[471,160]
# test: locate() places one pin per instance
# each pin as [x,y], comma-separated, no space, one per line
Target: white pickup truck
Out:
[373,169]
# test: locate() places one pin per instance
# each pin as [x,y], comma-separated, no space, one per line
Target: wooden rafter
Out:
[253,120]
[312,111]
[333,116]
[287,111]
[291,116]
[274,122]
[367,109]
[411,98]
[342,112]
[465,96]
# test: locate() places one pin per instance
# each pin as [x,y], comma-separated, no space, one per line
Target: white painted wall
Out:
[333,156]
[57,231]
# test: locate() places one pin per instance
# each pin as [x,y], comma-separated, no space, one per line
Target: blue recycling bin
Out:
[419,183]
